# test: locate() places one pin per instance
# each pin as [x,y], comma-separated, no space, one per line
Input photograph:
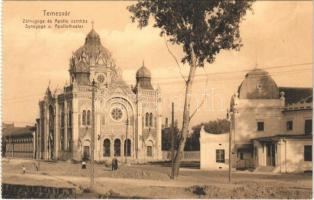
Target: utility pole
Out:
[172,142]
[230,132]
[92,138]
[12,146]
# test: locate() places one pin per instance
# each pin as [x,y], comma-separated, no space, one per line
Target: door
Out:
[86,153]
[271,154]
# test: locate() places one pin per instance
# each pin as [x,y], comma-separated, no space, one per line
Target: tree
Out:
[166,138]
[202,27]
[215,127]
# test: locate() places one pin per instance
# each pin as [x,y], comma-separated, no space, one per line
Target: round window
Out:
[100,78]
[116,114]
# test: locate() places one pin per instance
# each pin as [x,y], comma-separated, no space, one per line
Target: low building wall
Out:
[17,191]
[187,155]
[210,143]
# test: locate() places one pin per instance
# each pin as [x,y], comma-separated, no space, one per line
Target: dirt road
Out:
[152,181]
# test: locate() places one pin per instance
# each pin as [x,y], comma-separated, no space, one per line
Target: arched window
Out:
[84,117]
[151,119]
[149,151]
[146,119]
[117,147]
[106,148]
[88,117]
[127,147]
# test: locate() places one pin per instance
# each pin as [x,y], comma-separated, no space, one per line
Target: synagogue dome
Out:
[258,84]
[93,52]
[81,67]
[143,72]
[143,78]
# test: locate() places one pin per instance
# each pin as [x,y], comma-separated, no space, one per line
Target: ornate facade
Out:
[127,119]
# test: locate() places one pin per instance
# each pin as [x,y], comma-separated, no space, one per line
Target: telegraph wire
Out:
[30,97]
[245,70]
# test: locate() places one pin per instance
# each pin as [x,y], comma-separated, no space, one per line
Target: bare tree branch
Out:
[203,100]
[174,57]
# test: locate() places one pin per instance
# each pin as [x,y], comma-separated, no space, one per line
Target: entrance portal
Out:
[271,154]
[86,154]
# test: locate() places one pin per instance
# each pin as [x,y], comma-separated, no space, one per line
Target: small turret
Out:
[143,78]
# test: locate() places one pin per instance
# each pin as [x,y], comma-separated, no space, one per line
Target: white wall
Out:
[298,118]
[250,111]
[289,155]
[294,159]
[208,144]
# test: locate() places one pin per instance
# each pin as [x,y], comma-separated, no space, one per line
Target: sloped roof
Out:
[294,94]
[18,131]
[283,136]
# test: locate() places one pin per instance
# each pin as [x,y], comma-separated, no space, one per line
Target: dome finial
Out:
[92,22]
[143,63]
[256,62]
[256,65]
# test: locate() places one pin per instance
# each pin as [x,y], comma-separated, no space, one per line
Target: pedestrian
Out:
[23,169]
[83,164]
[113,164]
[116,163]
[36,166]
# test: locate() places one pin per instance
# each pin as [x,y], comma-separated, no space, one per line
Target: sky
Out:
[277,36]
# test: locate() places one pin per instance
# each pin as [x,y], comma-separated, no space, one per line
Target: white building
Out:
[214,150]
[271,126]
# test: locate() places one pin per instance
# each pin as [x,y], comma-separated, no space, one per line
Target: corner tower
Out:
[149,116]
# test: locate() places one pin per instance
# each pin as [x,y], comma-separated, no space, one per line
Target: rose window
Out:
[100,78]
[116,114]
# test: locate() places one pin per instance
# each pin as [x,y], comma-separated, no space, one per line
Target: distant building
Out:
[127,119]
[271,126]
[18,142]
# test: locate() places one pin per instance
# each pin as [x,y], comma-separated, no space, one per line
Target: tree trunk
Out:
[186,115]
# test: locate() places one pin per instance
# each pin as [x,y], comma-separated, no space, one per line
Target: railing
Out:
[245,164]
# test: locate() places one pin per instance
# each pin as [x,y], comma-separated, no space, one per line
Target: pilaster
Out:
[75,129]
[66,146]
[139,129]
[57,131]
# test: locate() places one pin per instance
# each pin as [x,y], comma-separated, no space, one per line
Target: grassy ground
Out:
[152,181]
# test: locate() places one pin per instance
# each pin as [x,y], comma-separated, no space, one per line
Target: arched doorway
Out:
[86,149]
[106,148]
[127,147]
[117,147]
[149,149]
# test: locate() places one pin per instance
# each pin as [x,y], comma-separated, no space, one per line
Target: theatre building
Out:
[271,128]
[127,119]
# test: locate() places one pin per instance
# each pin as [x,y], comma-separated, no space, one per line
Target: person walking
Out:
[116,163]
[113,164]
